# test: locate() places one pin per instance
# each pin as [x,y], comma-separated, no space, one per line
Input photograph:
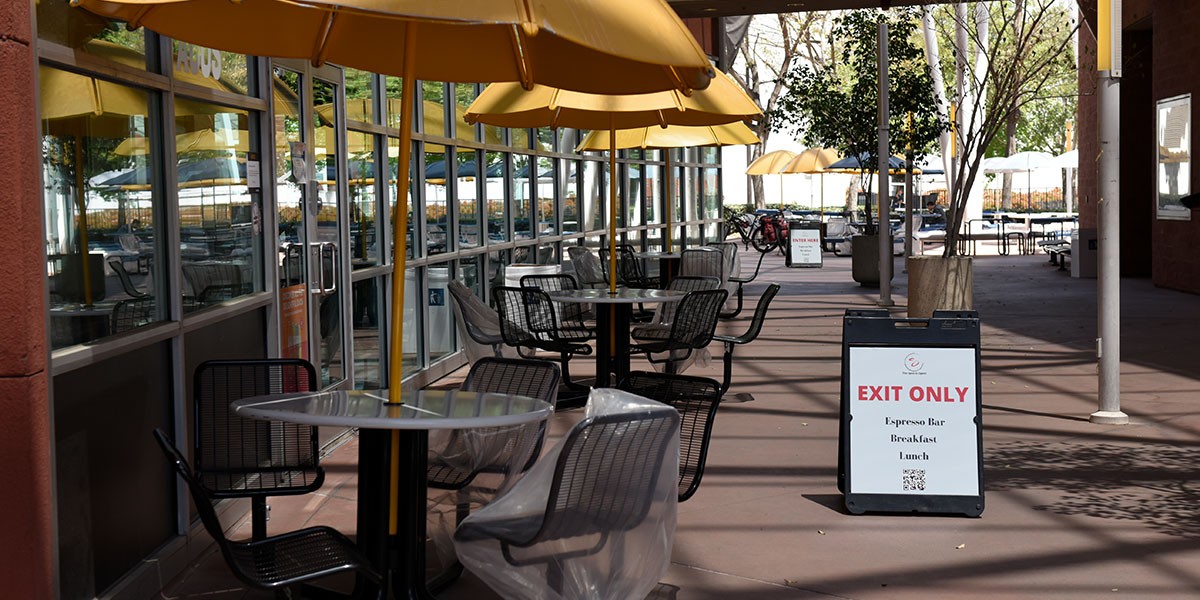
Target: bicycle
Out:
[744,225]
[770,232]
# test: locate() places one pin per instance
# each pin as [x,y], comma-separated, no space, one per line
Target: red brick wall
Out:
[26,568]
[1176,244]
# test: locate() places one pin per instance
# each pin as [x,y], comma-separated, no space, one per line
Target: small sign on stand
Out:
[804,244]
[911,437]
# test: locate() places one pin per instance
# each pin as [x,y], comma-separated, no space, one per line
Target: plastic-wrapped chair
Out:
[742,281]
[756,324]
[279,561]
[691,328]
[696,399]
[477,320]
[587,267]
[462,455]
[246,458]
[529,323]
[595,518]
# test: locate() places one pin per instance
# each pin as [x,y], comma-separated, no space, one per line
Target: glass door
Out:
[309,131]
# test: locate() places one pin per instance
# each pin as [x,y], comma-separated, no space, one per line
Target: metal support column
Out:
[885,155]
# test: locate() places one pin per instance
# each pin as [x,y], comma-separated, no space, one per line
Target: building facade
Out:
[170,204]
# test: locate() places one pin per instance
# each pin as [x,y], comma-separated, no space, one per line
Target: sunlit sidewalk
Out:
[1074,510]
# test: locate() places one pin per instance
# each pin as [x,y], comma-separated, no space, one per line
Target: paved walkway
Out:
[1074,510]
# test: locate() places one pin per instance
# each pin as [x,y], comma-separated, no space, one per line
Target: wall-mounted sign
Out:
[1174,177]
[911,432]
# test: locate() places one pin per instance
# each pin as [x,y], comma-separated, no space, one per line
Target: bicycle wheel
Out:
[761,240]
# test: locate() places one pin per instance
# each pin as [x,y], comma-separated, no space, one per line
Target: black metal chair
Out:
[756,323]
[132,313]
[691,328]
[279,561]
[247,458]
[118,268]
[742,281]
[629,268]
[665,312]
[696,399]
[604,479]
[529,323]
[481,322]
[572,314]
[451,468]
[588,270]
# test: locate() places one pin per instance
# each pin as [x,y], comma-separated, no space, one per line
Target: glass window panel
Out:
[464,95]
[544,188]
[442,338]
[712,192]
[59,22]
[288,191]
[593,196]
[547,254]
[494,193]
[520,138]
[467,195]
[436,201]
[411,342]
[497,263]
[219,225]
[710,155]
[634,195]
[469,273]
[360,96]
[368,298]
[569,190]
[654,186]
[545,139]
[364,228]
[210,68]
[326,150]
[524,176]
[433,93]
[100,207]
[394,165]
[393,86]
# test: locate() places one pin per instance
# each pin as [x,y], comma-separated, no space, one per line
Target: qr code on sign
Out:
[914,480]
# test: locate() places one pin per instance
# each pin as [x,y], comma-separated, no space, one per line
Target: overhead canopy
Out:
[771,163]
[671,136]
[855,164]
[812,160]
[615,46]
[508,105]
[729,8]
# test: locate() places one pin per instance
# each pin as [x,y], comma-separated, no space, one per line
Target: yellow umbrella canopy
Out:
[671,136]
[771,163]
[192,141]
[508,105]
[813,160]
[615,46]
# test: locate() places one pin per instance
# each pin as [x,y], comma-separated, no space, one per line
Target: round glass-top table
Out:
[612,324]
[393,451]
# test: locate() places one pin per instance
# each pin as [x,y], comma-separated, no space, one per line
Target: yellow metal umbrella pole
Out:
[399,256]
[612,204]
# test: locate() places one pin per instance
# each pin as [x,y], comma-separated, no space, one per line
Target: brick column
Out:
[26,557]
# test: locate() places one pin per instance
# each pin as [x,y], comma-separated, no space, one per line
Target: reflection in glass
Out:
[293,262]
[360,96]
[712,192]
[464,95]
[441,328]
[497,262]
[522,195]
[497,230]
[468,274]
[394,165]
[593,196]
[364,230]
[367,324]
[434,108]
[219,224]
[99,205]
[634,195]
[210,68]
[410,361]
[60,23]
[545,139]
[393,86]
[547,221]
[436,201]
[467,194]
[569,190]
[325,247]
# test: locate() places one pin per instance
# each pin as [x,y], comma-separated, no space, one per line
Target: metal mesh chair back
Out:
[756,325]
[132,313]
[703,262]
[666,311]
[604,474]
[532,378]
[629,268]
[274,562]
[238,457]
[118,268]
[696,399]
[692,327]
[572,313]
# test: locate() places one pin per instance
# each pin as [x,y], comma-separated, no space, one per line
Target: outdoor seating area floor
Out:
[1073,510]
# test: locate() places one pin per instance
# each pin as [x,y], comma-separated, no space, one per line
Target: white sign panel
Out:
[912,426]
[804,247]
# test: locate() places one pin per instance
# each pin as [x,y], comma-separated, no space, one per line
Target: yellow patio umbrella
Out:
[814,161]
[671,136]
[507,105]
[772,163]
[192,141]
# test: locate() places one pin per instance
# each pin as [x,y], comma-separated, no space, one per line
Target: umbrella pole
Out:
[399,256]
[612,204]
[81,204]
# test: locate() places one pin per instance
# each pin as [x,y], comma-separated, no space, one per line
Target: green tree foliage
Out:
[836,105]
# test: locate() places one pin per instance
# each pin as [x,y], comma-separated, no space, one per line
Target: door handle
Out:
[320,266]
[334,268]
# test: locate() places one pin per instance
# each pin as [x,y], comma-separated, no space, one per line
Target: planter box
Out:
[939,283]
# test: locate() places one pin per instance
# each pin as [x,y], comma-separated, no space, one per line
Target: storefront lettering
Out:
[196,60]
